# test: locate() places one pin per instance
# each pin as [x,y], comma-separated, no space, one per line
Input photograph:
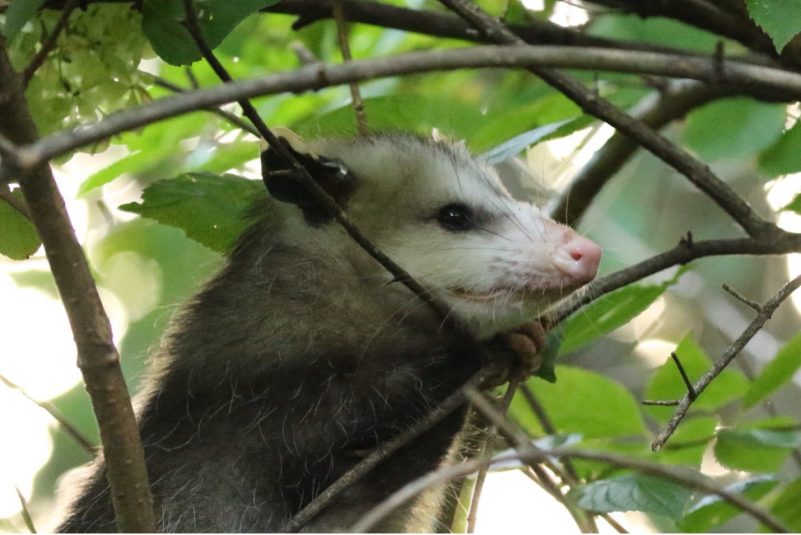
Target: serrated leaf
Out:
[609,312]
[162,23]
[778,372]
[781,19]
[18,236]
[712,511]
[210,209]
[749,126]
[633,492]
[618,415]
[667,384]
[18,13]
[756,450]
[781,158]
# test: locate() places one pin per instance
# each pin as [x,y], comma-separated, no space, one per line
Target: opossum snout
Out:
[577,258]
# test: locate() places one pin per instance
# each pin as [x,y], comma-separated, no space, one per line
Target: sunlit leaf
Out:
[781,157]
[781,19]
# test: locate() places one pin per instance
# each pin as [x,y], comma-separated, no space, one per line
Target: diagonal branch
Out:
[699,174]
[731,353]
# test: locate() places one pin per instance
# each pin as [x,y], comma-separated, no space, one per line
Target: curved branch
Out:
[787,85]
[656,111]
[699,174]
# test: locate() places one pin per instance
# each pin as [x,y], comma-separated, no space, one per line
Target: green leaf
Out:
[778,372]
[667,384]
[124,165]
[210,209]
[633,492]
[611,311]
[162,23]
[712,511]
[733,128]
[18,236]
[18,13]
[781,19]
[786,506]
[618,415]
[754,449]
[781,158]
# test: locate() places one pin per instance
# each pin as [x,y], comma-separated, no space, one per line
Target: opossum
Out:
[303,352]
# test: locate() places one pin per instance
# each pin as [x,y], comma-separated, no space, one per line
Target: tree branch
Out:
[699,174]
[530,454]
[787,85]
[656,111]
[731,353]
[97,356]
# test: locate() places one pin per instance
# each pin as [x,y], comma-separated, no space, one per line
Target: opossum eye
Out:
[455,217]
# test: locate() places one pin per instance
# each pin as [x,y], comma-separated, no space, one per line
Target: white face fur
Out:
[447,220]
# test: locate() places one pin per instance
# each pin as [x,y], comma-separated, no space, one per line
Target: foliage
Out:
[190,182]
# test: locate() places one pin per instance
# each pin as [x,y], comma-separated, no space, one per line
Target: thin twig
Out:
[737,295]
[446,407]
[487,448]
[730,354]
[228,116]
[70,430]
[26,514]
[690,479]
[532,454]
[313,77]
[48,45]
[355,94]
[690,389]
[699,174]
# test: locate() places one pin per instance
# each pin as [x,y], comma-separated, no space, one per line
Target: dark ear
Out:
[282,181]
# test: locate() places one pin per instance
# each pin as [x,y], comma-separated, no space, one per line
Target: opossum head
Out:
[446,219]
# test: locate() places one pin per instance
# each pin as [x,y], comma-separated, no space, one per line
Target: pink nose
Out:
[577,258]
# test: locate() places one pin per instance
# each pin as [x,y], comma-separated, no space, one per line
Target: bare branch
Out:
[313,77]
[530,454]
[355,95]
[690,479]
[450,404]
[699,174]
[743,299]
[776,242]
[656,111]
[97,356]
[731,353]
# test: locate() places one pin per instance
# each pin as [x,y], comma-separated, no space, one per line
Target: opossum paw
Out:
[522,348]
